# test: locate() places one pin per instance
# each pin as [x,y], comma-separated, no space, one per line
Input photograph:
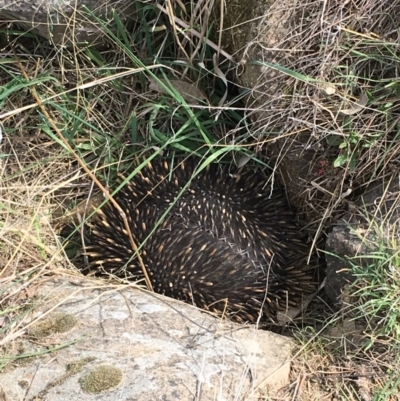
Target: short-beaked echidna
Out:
[228,245]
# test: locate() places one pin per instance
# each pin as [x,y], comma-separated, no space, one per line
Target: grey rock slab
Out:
[154,348]
[65,21]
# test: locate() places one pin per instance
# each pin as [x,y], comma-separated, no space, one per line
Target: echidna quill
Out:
[225,245]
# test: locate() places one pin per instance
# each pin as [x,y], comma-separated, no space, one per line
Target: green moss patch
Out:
[59,323]
[101,379]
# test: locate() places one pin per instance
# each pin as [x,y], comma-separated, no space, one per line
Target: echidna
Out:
[226,245]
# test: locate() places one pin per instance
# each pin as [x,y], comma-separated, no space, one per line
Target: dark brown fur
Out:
[225,246]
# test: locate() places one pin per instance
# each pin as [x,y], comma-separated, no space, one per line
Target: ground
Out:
[71,114]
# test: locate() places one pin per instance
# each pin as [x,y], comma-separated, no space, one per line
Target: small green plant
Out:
[377,289]
[352,146]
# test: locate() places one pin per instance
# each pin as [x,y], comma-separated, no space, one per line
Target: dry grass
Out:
[321,60]
[103,106]
[31,176]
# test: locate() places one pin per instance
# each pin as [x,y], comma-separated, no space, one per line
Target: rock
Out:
[64,22]
[341,245]
[356,235]
[128,344]
[263,31]
[292,100]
